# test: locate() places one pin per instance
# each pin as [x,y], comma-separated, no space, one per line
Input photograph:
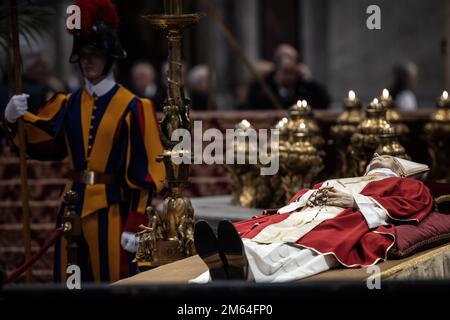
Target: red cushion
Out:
[433,231]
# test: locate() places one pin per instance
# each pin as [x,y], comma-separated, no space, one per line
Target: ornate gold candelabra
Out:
[249,188]
[300,162]
[437,134]
[171,236]
[392,115]
[300,151]
[389,144]
[341,133]
[366,140]
[301,120]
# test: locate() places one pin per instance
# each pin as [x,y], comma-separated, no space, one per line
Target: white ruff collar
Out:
[102,87]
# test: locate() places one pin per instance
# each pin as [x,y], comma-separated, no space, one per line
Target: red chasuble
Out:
[347,236]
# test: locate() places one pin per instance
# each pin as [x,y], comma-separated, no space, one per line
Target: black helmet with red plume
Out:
[99,26]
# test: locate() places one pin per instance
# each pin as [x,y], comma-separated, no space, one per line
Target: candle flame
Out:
[375,101]
[351,95]
[299,103]
[245,123]
[304,103]
[385,93]
[445,95]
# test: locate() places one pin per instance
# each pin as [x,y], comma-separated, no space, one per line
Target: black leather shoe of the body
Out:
[231,246]
[206,244]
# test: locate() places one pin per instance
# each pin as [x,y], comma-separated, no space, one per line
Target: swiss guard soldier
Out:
[111,138]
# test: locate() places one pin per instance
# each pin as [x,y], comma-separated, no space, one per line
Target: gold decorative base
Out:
[166,251]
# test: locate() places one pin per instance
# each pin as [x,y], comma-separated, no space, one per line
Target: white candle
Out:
[351,95]
[245,123]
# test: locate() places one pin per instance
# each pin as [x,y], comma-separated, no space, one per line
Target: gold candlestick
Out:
[369,134]
[437,134]
[302,118]
[391,114]
[249,188]
[301,152]
[347,122]
[178,215]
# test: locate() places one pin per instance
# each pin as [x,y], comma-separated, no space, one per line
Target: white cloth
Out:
[102,87]
[280,262]
[372,211]
[16,107]
[129,242]
[299,203]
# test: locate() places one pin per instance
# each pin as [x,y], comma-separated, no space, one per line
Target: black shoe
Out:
[205,242]
[231,246]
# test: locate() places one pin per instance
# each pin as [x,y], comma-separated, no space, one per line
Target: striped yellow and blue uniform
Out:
[116,133]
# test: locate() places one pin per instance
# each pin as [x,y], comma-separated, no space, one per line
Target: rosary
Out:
[319,198]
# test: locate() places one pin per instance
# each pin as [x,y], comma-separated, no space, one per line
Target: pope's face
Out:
[383,162]
[92,63]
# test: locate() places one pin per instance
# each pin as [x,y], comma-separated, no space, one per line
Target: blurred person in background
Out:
[199,87]
[144,83]
[39,81]
[290,82]
[402,90]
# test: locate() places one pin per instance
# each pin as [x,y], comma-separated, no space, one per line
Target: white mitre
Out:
[411,169]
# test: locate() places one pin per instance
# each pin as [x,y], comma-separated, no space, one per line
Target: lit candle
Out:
[385,94]
[299,103]
[444,95]
[375,101]
[245,123]
[351,95]
[304,103]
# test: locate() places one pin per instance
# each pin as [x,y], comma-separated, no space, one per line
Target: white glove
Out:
[129,242]
[16,107]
